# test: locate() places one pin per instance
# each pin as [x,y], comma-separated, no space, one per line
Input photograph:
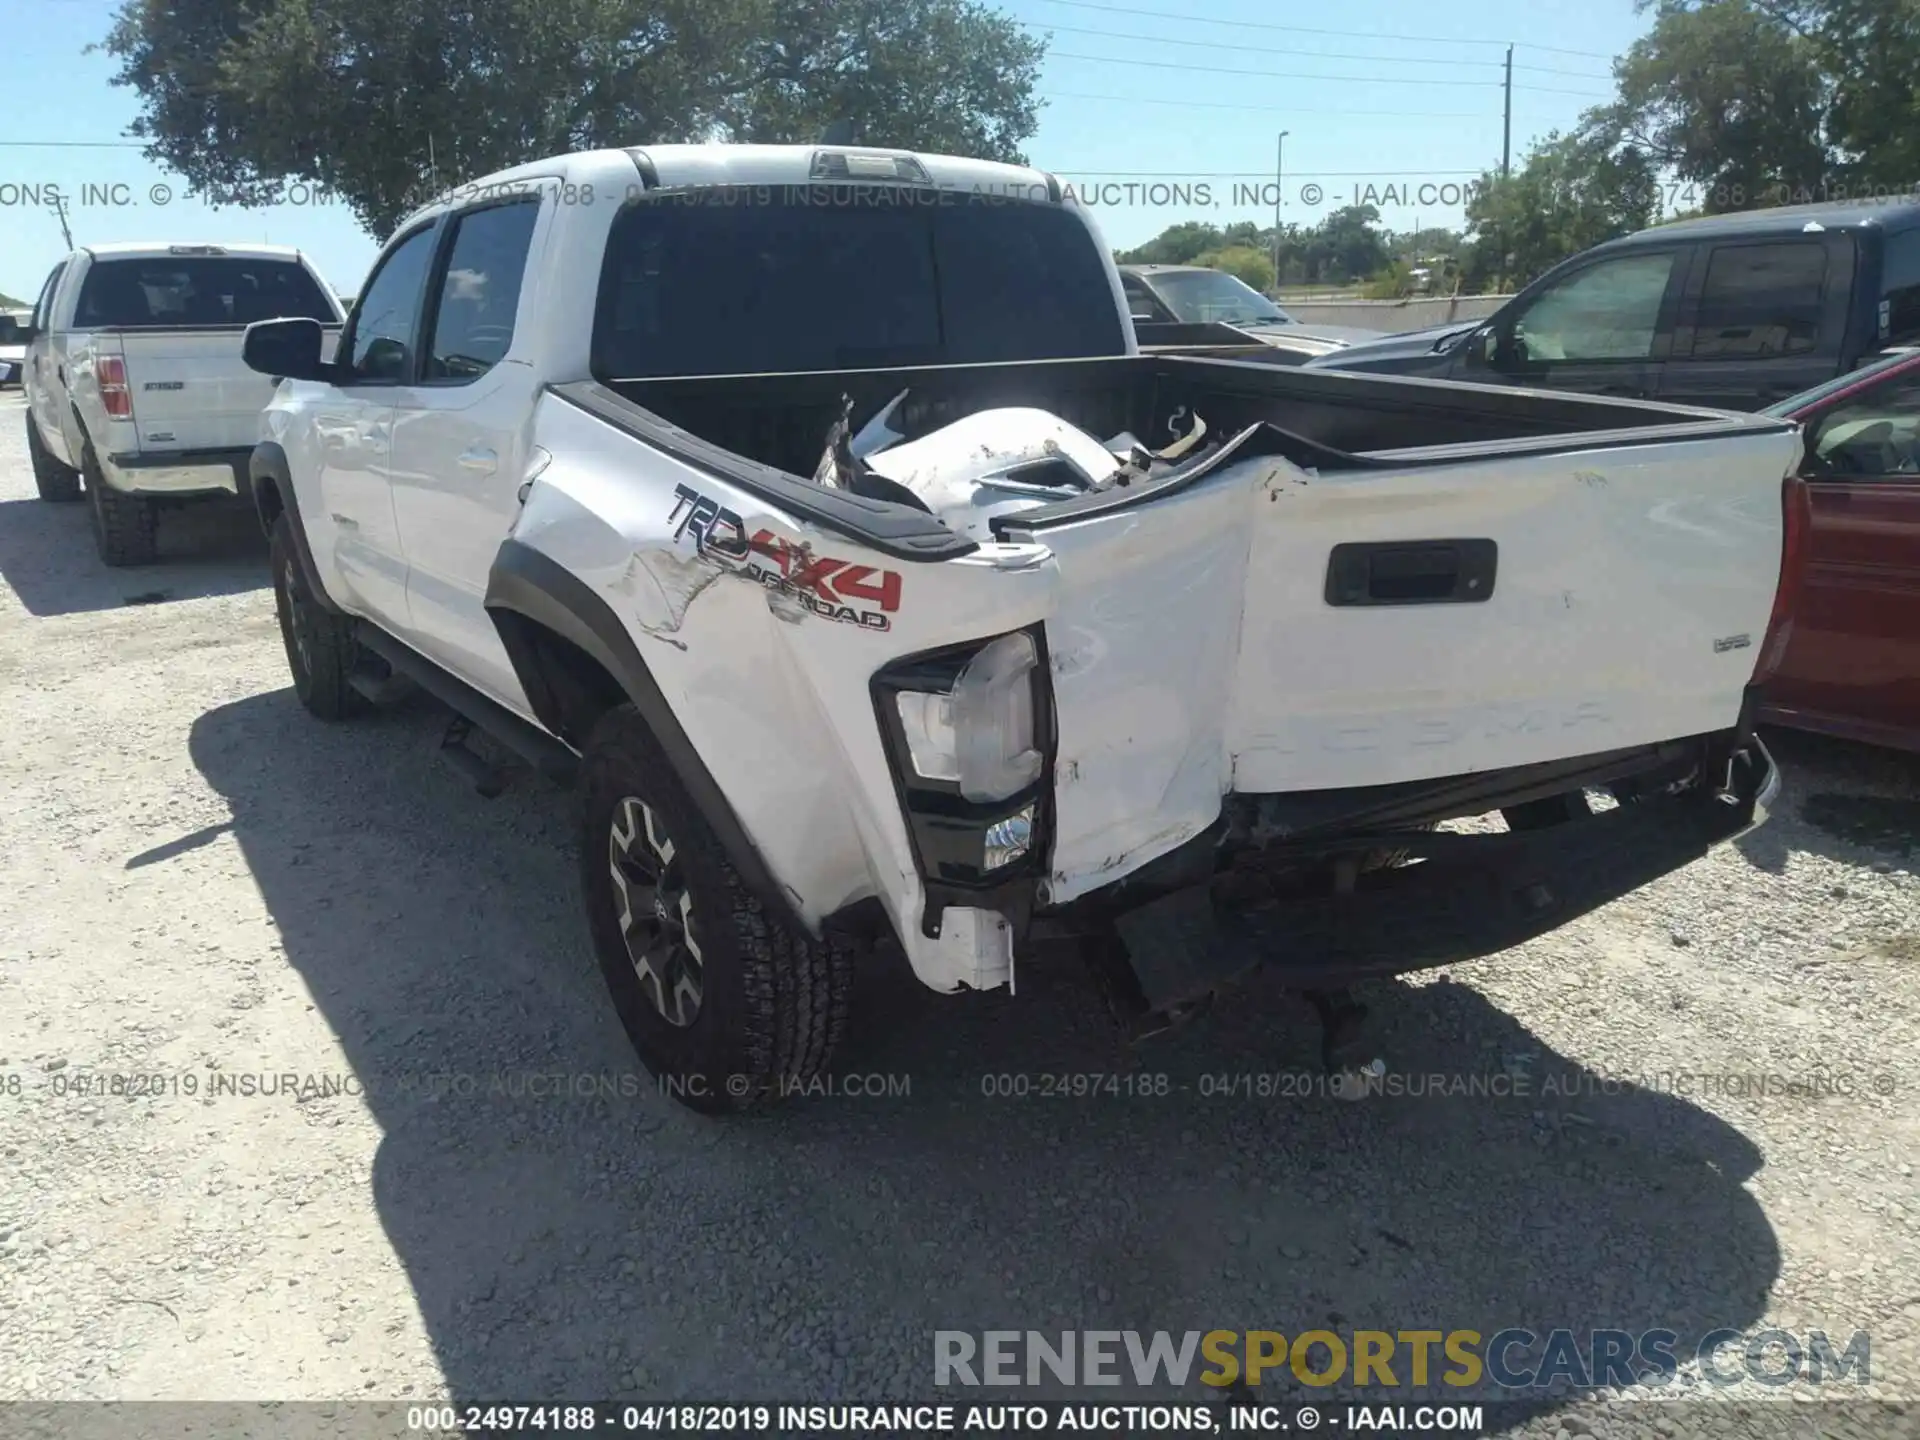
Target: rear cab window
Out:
[1761,300]
[847,277]
[198,292]
[1899,314]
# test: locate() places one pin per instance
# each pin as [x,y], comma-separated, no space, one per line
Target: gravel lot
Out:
[202,881]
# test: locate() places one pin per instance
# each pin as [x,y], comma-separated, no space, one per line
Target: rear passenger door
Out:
[460,445]
[1761,320]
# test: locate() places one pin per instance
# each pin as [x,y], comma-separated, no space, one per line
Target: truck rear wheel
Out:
[728,1005]
[55,482]
[125,527]
[321,648]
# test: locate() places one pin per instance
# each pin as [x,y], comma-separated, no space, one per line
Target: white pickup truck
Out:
[815,510]
[135,386]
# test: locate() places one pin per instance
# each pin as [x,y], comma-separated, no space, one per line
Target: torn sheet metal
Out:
[996,462]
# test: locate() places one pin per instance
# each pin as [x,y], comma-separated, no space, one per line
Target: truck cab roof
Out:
[1892,216]
[154,250]
[612,171]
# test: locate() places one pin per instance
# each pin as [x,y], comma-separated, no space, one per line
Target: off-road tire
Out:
[773,1003]
[56,482]
[125,527]
[320,644]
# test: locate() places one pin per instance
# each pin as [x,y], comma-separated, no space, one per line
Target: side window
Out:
[1761,300]
[1900,290]
[1608,311]
[43,307]
[1875,433]
[480,292]
[1141,304]
[382,339]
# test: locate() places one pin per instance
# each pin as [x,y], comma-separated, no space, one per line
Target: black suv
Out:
[1729,311]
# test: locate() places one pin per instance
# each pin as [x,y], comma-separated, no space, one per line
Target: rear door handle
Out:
[480,460]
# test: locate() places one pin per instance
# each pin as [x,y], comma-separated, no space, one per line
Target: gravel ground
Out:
[202,881]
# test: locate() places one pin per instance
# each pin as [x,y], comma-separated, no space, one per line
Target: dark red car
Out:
[1851,666]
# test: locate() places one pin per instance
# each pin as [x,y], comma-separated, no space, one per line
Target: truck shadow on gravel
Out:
[569,1233]
[47,557]
[1859,804]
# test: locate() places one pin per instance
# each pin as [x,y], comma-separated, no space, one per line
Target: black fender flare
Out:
[534,586]
[268,473]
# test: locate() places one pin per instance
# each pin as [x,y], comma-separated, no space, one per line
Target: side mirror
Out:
[1491,347]
[286,349]
[385,359]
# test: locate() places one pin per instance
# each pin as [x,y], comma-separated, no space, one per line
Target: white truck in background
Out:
[137,397]
[13,346]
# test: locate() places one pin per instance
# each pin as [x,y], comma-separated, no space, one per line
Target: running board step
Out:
[482,773]
[528,741]
[379,689]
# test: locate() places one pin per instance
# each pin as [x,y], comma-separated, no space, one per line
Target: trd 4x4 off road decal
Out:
[715,529]
[833,589]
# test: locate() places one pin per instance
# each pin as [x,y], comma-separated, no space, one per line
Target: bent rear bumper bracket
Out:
[1474,896]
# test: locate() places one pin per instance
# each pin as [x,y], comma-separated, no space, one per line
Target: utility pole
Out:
[1506,126]
[1506,154]
[1279,185]
[60,214]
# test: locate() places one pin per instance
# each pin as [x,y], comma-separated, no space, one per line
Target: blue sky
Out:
[1156,119]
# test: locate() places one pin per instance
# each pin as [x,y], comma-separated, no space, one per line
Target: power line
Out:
[1269,109]
[1308,30]
[1309,75]
[1305,54]
[74,144]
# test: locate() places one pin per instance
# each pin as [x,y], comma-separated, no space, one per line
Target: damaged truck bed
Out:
[816,508]
[1354,609]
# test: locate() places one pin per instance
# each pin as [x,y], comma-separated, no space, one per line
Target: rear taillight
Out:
[1796,519]
[111,372]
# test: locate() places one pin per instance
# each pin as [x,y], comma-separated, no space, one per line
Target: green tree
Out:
[1391,283]
[1430,240]
[1756,102]
[384,102]
[1347,245]
[1869,54]
[1730,98]
[1249,266]
[1176,245]
[1571,193]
